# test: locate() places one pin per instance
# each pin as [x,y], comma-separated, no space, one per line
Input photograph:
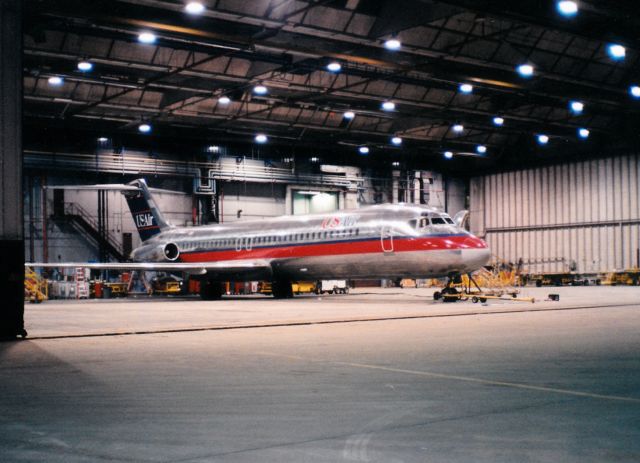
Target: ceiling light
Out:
[635,91]
[466,88]
[448,154]
[85,66]
[261,138]
[315,159]
[396,141]
[498,121]
[583,133]
[392,44]
[364,150]
[334,66]
[224,100]
[213,149]
[567,8]
[194,8]
[458,128]
[481,149]
[616,51]
[576,106]
[55,80]
[543,139]
[525,70]
[388,106]
[103,139]
[144,128]
[146,37]
[395,164]
[260,90]
[349,115]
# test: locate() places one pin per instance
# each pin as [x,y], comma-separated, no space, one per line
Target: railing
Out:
[225,168]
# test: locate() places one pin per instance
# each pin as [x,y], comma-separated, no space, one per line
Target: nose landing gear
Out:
[450,293]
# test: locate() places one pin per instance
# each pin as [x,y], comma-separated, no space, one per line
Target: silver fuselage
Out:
[385,241]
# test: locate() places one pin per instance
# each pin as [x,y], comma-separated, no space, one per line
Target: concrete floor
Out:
[505,382]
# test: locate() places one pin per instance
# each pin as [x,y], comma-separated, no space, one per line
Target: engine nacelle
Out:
[171,251]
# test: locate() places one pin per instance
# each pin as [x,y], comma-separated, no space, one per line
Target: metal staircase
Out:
[88,226]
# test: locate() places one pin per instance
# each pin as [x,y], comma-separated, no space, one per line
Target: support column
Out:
[11,200]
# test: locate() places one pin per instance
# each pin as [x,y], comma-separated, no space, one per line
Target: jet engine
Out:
[171,251]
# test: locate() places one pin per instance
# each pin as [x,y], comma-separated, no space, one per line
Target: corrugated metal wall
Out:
[584,215]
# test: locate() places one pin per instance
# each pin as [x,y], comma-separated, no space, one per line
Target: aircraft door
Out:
[386,239]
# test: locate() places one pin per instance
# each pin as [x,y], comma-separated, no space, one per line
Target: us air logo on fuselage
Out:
[335,222]
[144,220]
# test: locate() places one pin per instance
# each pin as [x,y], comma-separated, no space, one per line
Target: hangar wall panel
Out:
[583,216]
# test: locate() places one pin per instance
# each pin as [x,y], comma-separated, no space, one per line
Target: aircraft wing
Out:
[225,268]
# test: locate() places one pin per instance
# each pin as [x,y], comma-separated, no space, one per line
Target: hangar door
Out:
[314,202]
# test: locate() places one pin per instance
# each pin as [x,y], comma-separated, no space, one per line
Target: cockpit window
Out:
[449,220]
[437,221]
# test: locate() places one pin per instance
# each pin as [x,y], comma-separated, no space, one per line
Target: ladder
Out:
[82,291]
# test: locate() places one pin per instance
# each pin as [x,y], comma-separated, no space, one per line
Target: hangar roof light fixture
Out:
[103,140]
[261,138]
[396,141]
[634,90]
[392,44]
[481,149]
[349,115]
[334,66]
[55,80]
[567,8]
[144,128]
[388,106]
[458,128]
[465,88]
[395,164]
[616,51]
[499,121]
[194,8]
[260,90]
[576,106]
[543,139]
[363,150]
[85,66]
[448,154]
[213,149]
[146,37]
[583,133]
[525,70]
[224,100]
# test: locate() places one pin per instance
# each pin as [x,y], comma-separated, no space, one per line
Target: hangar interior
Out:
[464,131]
[522,114]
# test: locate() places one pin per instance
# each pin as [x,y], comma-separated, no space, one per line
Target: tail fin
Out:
[146,215]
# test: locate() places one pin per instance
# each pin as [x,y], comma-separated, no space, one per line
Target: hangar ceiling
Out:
[176,83]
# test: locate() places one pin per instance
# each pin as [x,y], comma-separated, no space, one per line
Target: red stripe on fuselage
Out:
[288,251]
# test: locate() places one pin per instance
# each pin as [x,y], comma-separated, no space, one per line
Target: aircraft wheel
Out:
[475,299]
[450,295]
[211,290]
[282,289]
[437,295]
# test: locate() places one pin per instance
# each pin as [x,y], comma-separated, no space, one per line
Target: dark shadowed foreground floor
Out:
[545,386]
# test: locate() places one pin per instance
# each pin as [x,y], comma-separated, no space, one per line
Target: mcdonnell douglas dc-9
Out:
[383,241]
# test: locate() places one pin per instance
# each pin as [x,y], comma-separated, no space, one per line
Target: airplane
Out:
[390,241]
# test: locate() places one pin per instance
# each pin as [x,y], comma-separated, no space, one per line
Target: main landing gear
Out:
[211,290]
[281,289]
[449,293]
